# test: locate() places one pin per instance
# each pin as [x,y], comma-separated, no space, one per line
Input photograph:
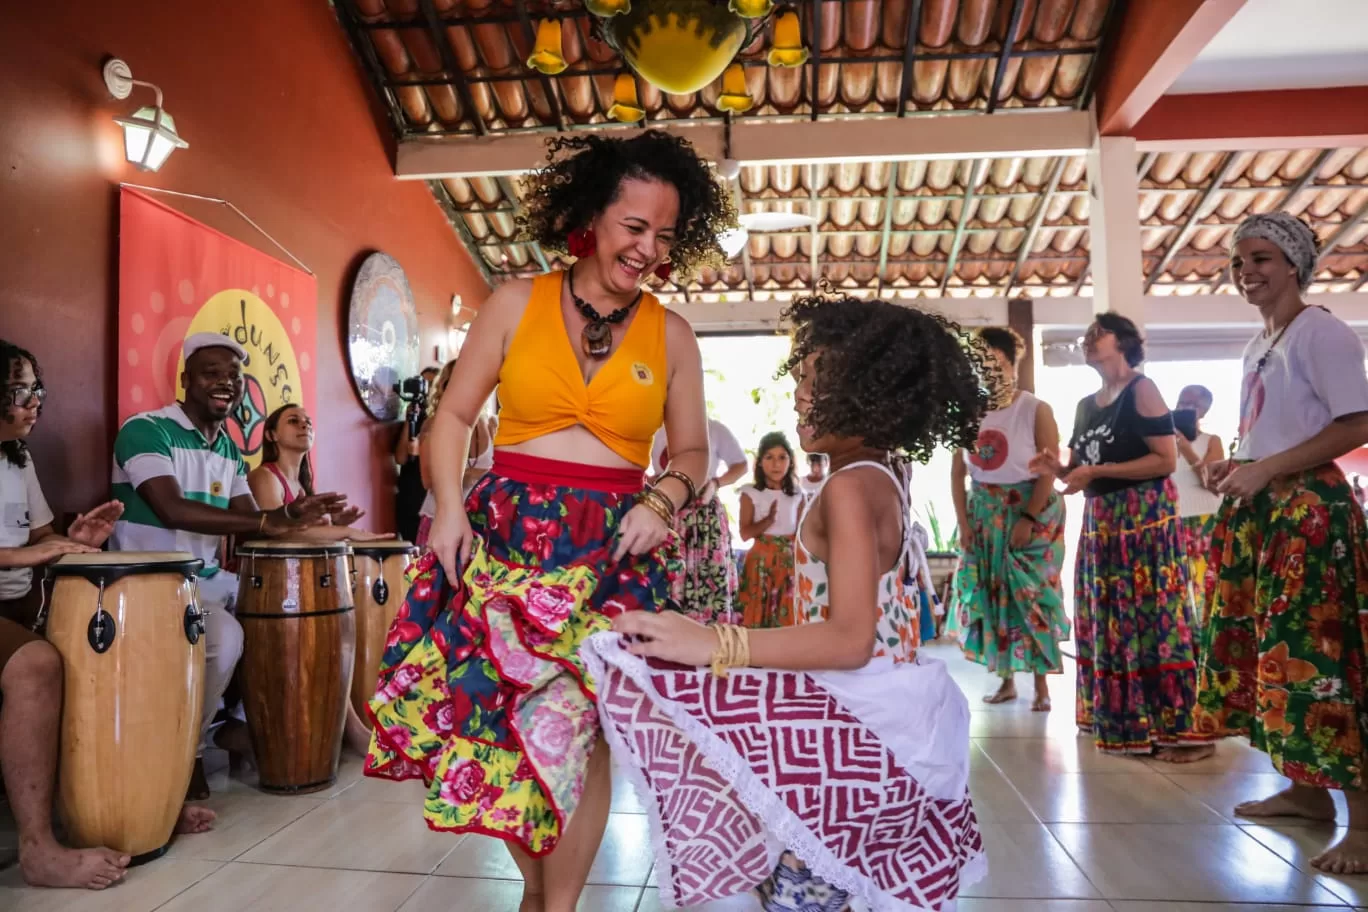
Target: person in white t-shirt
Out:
[769,517]
[811,483]
[704,591]
[1284,659]
[1196,505]
[30,669]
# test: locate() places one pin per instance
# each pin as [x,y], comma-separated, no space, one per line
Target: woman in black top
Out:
[1136,663]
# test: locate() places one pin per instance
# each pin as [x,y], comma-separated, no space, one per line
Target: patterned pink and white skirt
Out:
[811,789]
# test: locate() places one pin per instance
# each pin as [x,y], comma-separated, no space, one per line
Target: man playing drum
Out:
[30,668]
[183,485]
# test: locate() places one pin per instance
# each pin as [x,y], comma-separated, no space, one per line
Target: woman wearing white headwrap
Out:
[1283,657]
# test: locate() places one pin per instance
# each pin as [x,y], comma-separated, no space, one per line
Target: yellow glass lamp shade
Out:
[547,56]
[788,50]
[735,96]
[605,8]
[679,46]
[625,107]
[751,9]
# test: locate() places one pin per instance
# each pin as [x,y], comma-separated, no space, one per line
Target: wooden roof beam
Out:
[1199,210]
[970,188]
[1155,43]
[1028,242]
[952,136]
[1281,119]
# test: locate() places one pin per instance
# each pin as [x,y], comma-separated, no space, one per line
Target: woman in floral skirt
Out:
[1283,657]
[1009,603]
[769,518]
[1137,672]
[482,693]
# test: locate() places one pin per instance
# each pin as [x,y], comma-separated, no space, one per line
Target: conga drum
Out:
[379,587]
[129,628]
[299,643]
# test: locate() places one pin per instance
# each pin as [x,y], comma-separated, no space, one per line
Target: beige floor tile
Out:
[650,902]
[1299,843]
[995,799]
[625,798]
[359,836]
[1025,861]
[1023,759]
[1216,907]
[626,855]
[1024,724]
[244,819]
[480,856]
[1187,862]
[411,792]
[222,781]
[273,888]
[144,889]
[1034,905]
[1113,798]
[454,894]
[1222,791]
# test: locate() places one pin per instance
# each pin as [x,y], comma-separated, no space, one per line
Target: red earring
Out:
[663,271]
[581,242]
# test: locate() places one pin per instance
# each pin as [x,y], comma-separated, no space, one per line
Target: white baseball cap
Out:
[212,340]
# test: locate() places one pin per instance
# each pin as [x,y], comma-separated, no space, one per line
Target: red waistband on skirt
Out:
[536,470]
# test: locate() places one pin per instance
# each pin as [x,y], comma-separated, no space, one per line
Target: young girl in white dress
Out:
[769,518]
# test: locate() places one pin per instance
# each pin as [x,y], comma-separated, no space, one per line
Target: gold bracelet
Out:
[658,504]
[261,526]
[663,499]
[685,480]
[733,649]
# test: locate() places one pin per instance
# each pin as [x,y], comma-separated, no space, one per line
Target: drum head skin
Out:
[268,547]
[111,565]
[383,549]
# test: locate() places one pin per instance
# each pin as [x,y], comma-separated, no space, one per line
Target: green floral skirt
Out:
[1283,649]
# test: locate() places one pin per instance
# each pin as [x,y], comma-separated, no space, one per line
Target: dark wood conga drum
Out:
[379,587]
[299,643]
[129,628]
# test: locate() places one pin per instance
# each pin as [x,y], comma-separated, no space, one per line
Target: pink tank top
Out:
[280,477]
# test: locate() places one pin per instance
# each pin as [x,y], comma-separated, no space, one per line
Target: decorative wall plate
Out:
[383,345]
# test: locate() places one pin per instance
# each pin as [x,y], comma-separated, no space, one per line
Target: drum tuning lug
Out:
[325,581]
[256,582]
[194,623]
[380,591]
[100,632]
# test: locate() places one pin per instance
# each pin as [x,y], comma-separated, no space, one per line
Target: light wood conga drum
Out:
[299,643]
[129,628]
[379,587]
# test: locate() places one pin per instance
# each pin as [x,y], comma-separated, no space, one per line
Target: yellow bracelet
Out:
[657,503]
[261,526]
[733,649]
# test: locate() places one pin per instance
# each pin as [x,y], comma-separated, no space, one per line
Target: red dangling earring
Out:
[581,242]
[663,271]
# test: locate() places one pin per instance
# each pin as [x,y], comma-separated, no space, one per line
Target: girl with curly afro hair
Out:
[876,384]
[562,533]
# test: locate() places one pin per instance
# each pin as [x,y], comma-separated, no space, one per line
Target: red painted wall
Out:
[280,122]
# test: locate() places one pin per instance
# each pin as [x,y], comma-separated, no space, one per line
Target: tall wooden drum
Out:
[379,587]
[299,643]
[129,628]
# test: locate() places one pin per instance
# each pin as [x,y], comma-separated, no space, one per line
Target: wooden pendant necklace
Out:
[597,337]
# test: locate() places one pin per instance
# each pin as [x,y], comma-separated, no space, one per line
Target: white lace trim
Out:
[603,649]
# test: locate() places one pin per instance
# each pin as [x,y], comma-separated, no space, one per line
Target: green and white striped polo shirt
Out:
[164,442]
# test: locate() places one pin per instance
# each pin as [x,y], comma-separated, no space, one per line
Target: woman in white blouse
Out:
[769,517]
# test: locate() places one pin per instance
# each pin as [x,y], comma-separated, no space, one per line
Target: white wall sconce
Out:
[149,132]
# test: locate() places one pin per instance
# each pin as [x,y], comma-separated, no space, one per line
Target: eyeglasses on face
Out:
[27,396]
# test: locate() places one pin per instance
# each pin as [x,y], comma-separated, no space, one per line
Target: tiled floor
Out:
[1067,831]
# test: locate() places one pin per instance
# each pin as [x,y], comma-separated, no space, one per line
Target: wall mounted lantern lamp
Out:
[149,132]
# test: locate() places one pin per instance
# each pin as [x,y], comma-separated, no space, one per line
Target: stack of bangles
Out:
[733,649]
[661,505]
[261,526]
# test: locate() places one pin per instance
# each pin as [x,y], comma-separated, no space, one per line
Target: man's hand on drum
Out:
[347,516]
[304,513]
[451,539]
[93,527]
[641,532]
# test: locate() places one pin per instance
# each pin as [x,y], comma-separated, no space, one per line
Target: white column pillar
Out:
[1114,223]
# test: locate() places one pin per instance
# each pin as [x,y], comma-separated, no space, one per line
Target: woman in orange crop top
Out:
[482,692]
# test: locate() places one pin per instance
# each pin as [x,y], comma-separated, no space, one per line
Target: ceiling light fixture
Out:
[149,132]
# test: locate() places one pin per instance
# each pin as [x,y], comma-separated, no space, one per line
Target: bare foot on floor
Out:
[1296,801]
[1185,754]
[56,866]
[1005,694]
[1041,703]
[1348,856]
[195,819]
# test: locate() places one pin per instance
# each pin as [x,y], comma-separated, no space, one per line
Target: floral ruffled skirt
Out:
[768,583]
[482,692]
[706,588]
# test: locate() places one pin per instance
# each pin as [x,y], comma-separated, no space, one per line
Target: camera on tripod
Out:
[414,391]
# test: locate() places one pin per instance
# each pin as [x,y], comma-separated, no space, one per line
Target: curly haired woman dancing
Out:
[482,691]
[880,811]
